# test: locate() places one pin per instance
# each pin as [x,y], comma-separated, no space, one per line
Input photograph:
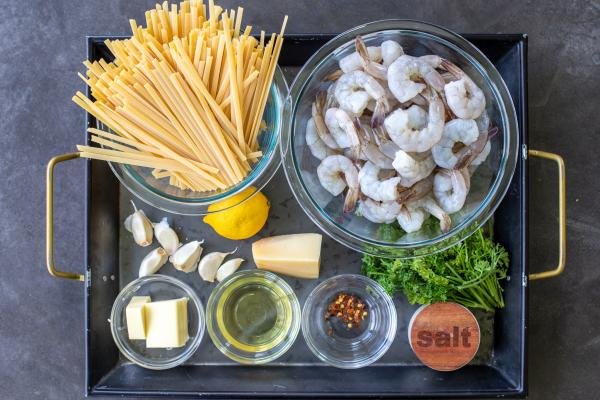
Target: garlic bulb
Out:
[228,268]
[210,263]
[166,236]
[140,226]
[153,261]
[186,257]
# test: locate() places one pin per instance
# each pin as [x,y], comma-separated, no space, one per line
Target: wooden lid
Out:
[444,336]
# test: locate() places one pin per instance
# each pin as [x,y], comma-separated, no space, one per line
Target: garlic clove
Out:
[228,268]
[210,263]
[186,257]
[140,226]
[166,236]
[153,261]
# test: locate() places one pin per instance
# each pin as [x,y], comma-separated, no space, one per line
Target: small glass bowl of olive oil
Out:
[253,317]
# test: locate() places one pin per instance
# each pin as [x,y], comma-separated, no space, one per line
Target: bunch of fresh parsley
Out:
[468,274]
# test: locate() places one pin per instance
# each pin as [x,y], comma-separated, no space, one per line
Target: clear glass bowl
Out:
[246,334]
[158,192]
[158,287]
[331,341]
[488,185]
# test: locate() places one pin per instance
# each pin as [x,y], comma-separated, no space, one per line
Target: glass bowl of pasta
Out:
[401,139]
[188,114]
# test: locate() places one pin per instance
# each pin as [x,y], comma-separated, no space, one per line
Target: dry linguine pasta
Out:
[184,95]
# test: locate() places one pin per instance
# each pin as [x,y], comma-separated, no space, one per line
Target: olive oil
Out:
[254,314]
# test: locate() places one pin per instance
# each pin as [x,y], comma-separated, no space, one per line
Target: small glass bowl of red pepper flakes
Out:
[347,309]
[349,321]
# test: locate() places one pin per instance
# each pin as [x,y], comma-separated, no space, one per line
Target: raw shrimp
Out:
[413,214]
[390,51]
[455,132]
[371,186]
[379,212]
[370,66]
[354,90]
[463,96]
[433,208]
[353,62]
[315,144]
[411,217]
[450,188]
[404,72]
[335,173]
[342,128]
[412,168]
[322,131]
[415,130]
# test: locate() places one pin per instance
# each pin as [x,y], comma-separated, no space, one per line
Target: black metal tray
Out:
[498,370]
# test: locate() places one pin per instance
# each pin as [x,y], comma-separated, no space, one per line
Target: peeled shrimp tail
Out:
[334,76]
[416,191]
[430,205]
[316,146]
[468,153]
[371,67]
[351,199]
[321,127]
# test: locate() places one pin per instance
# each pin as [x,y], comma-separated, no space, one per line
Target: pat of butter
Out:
[166,323]
[296,255]
[134,313]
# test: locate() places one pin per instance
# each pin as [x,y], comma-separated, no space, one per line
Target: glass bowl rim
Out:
[258,178]
[291,335]
[498,188]
[389,310]
[118,308]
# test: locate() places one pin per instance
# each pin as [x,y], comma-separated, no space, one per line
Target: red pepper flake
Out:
[348,308]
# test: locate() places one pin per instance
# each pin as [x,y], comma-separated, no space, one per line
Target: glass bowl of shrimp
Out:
[400,138]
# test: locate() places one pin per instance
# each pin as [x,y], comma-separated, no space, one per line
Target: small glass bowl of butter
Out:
[157,322]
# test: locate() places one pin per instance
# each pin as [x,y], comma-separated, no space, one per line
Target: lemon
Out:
[241,221]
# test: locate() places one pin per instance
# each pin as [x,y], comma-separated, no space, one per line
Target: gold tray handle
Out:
[562,215]
[50,219]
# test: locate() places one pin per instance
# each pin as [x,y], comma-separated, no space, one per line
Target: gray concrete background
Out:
[41,46]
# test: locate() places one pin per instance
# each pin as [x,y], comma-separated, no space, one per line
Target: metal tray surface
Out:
[113,260]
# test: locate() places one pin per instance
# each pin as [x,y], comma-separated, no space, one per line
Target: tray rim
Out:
[520,40]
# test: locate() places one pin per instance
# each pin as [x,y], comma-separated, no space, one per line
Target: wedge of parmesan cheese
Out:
[296,255]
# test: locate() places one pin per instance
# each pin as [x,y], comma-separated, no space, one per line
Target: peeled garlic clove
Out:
[153,261]
[210,263]
[228,268]
[186,257]
[166,236]
[140,226]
